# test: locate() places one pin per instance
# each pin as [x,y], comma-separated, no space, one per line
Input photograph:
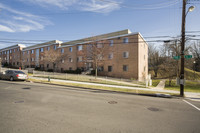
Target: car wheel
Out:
[11,78]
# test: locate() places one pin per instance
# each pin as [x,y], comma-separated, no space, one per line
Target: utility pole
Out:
[182,49]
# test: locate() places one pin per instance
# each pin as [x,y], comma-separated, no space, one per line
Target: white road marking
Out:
[192,105]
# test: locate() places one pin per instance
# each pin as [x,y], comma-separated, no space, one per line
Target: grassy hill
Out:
[189,75]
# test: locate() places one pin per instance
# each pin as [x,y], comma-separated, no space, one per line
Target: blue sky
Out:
[34,21]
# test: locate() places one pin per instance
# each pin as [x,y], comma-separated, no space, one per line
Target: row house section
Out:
[123,55]
[11,56]
[44,56]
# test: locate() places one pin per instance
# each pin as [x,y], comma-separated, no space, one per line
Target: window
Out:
[125,40]
[62,50]
[23,53]
[27,60]
[80,47]
[109,68]
[48,48]
[79,59]
[125,68]
[47,65]
[32,51]
[70,49]
[14,50]
[70,68]
[125,54]
[100,57]
[55,47]
[27,52]
[99,45]
[110,56]
[70,60]
[32,59]
[17,49]
[111,43]
[62,60]
[10,51]
[42,50]
[5,52]
[100,69]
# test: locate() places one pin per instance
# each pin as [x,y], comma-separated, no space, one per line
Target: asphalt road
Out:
[39,108]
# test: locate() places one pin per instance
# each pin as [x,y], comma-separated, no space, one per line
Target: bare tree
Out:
[155,60]
[54,58]
[94,53]
[196,53]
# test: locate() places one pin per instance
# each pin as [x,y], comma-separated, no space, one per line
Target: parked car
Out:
[13,75]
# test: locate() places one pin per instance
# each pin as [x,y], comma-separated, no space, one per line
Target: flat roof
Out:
[98,37]
[43,44]
[12,47]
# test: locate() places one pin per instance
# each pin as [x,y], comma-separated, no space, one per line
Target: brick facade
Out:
[119,54]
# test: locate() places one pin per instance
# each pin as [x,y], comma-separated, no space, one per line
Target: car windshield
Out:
[19,72]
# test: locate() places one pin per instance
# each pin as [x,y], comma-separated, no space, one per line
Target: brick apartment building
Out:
[119,54]
[11,56]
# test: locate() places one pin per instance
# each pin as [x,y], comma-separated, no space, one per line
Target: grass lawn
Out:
[101,88]
[99,81]
[190,86]
[155,82]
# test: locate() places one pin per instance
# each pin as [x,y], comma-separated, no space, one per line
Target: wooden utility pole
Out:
[182,49]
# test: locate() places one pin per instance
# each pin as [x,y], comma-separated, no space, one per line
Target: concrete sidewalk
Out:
[158,90]
[161,85]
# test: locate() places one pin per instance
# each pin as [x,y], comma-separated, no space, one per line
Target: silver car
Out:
[13,75]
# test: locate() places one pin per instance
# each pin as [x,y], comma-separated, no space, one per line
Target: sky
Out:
[35,21]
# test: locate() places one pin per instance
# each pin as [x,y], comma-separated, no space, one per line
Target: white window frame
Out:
[70,59]
[80,59]
[126,68]
[70,49]
[111,43]
[110,56]
[125,40]
[55,47]
[62,50]
[80,47]
[125,54]
[41,49]
[32,51]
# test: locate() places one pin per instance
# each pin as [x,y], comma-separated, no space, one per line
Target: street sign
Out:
[188,56]
[176,57]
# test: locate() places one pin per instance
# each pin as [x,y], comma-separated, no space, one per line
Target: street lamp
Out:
[184,13]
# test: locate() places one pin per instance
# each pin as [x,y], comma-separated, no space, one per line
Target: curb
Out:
[111,91]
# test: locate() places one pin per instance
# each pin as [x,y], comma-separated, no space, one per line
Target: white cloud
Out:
[17,21]
[100,6]
[5,28]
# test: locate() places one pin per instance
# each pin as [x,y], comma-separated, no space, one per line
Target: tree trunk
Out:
[96,69]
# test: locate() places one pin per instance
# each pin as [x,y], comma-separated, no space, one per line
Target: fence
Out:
[3,69]
[84,78]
